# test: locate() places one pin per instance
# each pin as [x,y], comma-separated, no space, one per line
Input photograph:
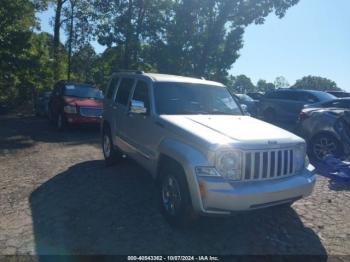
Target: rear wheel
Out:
[174,196]
[325,144]
[111,155]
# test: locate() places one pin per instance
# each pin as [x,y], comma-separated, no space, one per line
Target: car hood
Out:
[81,102]
[228,129]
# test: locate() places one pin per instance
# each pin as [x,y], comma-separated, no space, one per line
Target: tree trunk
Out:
[128,38]
[56,38]
[70,41]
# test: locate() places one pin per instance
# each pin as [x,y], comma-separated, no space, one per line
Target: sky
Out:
[312,39]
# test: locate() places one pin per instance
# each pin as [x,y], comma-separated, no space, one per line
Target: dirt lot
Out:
[57,197]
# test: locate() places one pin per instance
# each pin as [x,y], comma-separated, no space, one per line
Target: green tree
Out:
[281,82]
[316,83]
[242,84]
[83,63]
[129,24]
[263,86]
[203,37]
[17,20]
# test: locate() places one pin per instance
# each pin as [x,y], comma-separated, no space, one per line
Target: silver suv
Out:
[206,156]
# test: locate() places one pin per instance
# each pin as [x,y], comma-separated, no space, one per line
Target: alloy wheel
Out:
[324,146]
[106,146]
[171,197]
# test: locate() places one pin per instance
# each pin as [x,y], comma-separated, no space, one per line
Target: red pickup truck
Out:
[75,103]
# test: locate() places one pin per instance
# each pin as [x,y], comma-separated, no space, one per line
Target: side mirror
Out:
[138,107]
[245,109]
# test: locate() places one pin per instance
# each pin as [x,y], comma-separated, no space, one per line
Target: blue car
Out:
[285,105]
[251,104]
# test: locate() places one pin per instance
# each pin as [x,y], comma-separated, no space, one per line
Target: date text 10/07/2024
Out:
[173,258]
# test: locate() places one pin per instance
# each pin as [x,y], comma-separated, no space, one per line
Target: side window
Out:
[124,91]
[113,84]
[308,98]
[141,94]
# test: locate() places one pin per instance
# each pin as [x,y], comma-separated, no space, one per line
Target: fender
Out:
[188,157]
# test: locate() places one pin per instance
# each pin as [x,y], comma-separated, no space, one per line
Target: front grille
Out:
[263,165]
[91,111]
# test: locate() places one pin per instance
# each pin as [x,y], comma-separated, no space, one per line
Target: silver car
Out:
[206,156]
[327,131]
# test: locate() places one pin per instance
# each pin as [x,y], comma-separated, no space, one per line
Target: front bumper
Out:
[79,119]
[218,196]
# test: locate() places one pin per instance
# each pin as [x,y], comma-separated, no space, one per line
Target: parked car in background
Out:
[336,103]
[256,95]
[327,131]
[206,156]
[251,105]
[339,93]
[75,103]
[3,109]
[42,103]
[284,105]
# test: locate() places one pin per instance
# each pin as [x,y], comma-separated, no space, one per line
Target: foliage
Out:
[241,84]
[263,86]
[15,37]
[316,83]
[203,37]
[281,82]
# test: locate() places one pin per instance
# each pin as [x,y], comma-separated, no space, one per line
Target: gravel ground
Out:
[57,197]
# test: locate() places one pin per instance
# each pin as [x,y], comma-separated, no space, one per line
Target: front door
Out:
[120,111]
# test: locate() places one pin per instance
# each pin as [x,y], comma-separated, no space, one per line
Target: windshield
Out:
[83,91]
[245,98]
[174,98]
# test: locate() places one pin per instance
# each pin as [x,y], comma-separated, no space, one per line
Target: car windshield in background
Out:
[83,91]
[173,98]
[245,98]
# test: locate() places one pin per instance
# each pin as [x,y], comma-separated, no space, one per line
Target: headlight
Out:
[300,157]
[70,109]
[228,164]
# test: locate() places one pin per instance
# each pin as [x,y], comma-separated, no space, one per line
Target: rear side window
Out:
[141,94]
[308,98]
[112,87]
[276,95]
[124,91]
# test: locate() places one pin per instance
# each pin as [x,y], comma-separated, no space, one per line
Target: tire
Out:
[111,155]
[325,144]
[174,198]
[270,115]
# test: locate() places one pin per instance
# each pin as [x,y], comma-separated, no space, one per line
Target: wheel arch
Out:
[186,157]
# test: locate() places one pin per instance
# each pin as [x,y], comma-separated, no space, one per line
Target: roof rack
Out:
[140,72]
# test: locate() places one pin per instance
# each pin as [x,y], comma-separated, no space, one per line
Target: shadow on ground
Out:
[92,209]
[23,132]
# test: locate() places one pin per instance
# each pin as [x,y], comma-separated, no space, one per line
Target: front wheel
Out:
[175,201]
[109,152]
[325,144]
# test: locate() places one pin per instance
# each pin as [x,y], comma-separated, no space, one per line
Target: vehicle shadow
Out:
[23,132]
[92,209]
